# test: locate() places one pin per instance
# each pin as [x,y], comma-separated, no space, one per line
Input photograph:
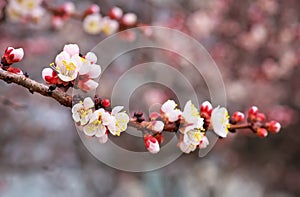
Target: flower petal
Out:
[71,49]
[116,110]
[91,57]
[174,115]
[88,102]
[168,106]
[103,139]
[95,71]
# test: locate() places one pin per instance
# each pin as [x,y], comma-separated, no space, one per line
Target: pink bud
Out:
[206,108]
[15,70]
[273,126]
[129,19]
[115,13]
[57,22]
[49,76]
[105,103]
[253,111]
[12,55]
[262,132]
[68,7]
[151,144]
[238,116]
[94,8]
[260,117]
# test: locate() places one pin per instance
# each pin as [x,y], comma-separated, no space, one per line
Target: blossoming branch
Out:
[93,22]
[96,119]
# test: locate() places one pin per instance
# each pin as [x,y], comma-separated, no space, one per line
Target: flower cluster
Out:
[24,10]
[193,125]
[95,23]
[99,123]
[61,14]
[95,118]
[70,65]
[259,124]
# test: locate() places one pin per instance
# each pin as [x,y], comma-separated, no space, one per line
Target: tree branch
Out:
[34,86]
[66,100]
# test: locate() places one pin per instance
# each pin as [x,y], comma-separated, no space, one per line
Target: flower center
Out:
[69,66]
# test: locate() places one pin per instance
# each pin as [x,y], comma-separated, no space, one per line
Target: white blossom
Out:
[24,10]
[169,111]
[118,121]
[97,123]
[186,148]
[92,24]
[68,63]
[220,121]
[109,26]
[82,111]
[192,118]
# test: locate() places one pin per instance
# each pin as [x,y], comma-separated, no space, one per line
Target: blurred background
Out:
[256,47]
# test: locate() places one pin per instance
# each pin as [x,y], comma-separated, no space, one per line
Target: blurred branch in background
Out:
[9,102]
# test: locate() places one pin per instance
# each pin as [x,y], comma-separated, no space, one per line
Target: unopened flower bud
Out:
[115,13]
[252,112]
[57,22]
[238,116]
[260,117]
[129,19]
[206,109]
[105,103]
[15,70]
[49,75]
[68,7]
[273,126]
[262,132]
[151,144]
[12,55]
[94,8]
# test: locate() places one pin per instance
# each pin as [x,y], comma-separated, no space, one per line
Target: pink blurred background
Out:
[256,47]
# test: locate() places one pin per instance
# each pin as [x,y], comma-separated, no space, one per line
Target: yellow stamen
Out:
[69,66]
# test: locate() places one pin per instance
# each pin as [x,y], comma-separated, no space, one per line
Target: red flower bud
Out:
[12,55]
[15,70]
[151,144]
[105,103]
[50,76]
[260,117]
[238,116]
[206,108]
[273,126]
[262,132]
[68,8]
[94,8]
[253,111]
[115,13]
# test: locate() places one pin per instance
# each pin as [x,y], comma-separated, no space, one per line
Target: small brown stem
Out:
[240,126]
